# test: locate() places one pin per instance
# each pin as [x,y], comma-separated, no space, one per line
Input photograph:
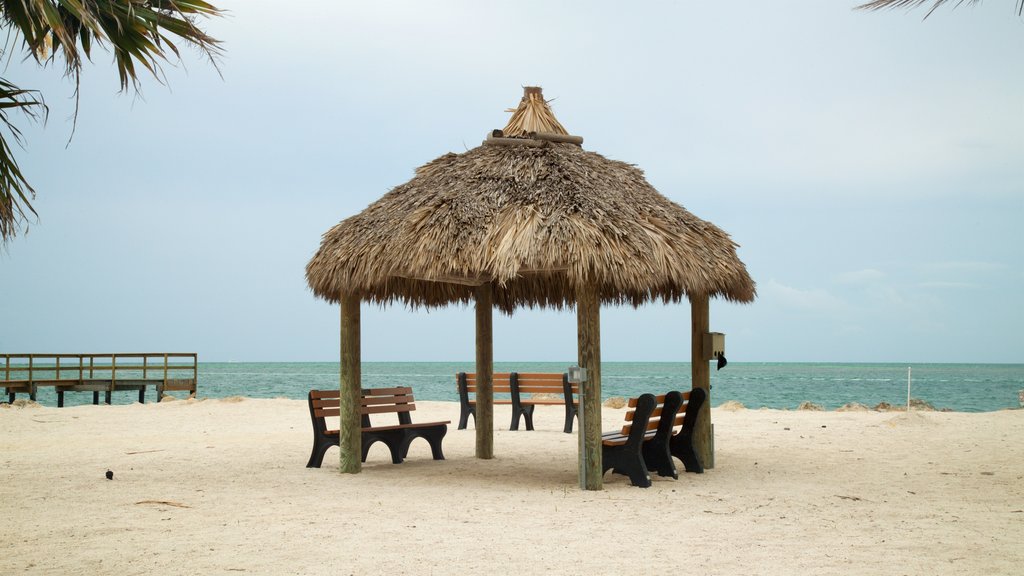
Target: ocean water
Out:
[960,387]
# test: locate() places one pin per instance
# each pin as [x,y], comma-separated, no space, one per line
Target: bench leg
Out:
[106,397]
[142,395]
[393,439]
[95,398]
[637,472]
[464,417]
[320,446]
[433,436]
[682,448]
[528,414]
[659,459]
[570,414]
[60,398]
[622,460]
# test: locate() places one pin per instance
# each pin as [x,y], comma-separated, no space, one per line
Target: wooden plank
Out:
[386,391]
[542,376]
[386,409]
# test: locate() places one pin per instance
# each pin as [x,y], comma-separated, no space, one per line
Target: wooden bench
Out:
[397,437]
[647,429]
[667,423]
[509,388]
[501,386]
[546,389]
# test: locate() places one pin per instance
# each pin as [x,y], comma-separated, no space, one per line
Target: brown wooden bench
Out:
[647,426]
[501,386]
[657,428]
[549,390]
[397,437]
[510,388]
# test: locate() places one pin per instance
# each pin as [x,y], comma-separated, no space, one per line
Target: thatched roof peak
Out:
[532,116]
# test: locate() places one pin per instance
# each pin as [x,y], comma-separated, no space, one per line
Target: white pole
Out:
[908,389]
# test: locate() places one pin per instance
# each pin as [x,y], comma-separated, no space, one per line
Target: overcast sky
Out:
[870,165]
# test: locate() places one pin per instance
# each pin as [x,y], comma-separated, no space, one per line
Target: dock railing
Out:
[107,373]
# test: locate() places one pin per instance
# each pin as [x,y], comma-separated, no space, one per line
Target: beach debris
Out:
[24,403]
[164,503]
[167,398]
[110,475]
[806,405]
[546,396]
[731,406]
[853,407]
[918,404]
[615,402]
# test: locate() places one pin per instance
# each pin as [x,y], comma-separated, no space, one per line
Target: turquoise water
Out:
[960,387]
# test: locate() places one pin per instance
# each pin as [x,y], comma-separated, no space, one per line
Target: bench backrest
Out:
[546,383]
[326,403]
[501,382]
[662,417]
[686,418]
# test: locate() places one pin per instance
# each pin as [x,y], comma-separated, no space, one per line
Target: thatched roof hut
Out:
[538,218]
[529,218]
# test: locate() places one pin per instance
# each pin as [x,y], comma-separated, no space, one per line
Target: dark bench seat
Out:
[397,437]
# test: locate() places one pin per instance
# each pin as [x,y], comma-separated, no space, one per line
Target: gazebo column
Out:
[350,433]
[484,419]
[588,335]
[701,371]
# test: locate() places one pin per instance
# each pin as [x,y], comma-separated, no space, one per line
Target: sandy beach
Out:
[220,487]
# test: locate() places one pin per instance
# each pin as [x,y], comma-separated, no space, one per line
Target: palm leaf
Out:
[16,193]
[141,34]
[883,4]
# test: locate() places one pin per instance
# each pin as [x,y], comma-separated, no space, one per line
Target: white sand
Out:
[220,487]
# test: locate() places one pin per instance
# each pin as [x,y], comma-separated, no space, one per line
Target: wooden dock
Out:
[107,373]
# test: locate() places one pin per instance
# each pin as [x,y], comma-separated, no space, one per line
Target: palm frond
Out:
[142,34]
[16,194]
[908,4]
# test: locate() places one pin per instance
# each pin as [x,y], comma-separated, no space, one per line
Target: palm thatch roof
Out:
[538,216]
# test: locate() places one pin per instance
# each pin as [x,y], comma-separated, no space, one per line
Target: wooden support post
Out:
[701,371]
[350,435]
[588,337]
[484,372]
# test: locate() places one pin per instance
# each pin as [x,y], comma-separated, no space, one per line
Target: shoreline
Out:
[615,402]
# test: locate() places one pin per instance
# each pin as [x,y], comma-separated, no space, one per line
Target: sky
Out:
[869,164]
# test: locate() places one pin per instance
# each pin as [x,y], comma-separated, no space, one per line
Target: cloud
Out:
[813,300]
